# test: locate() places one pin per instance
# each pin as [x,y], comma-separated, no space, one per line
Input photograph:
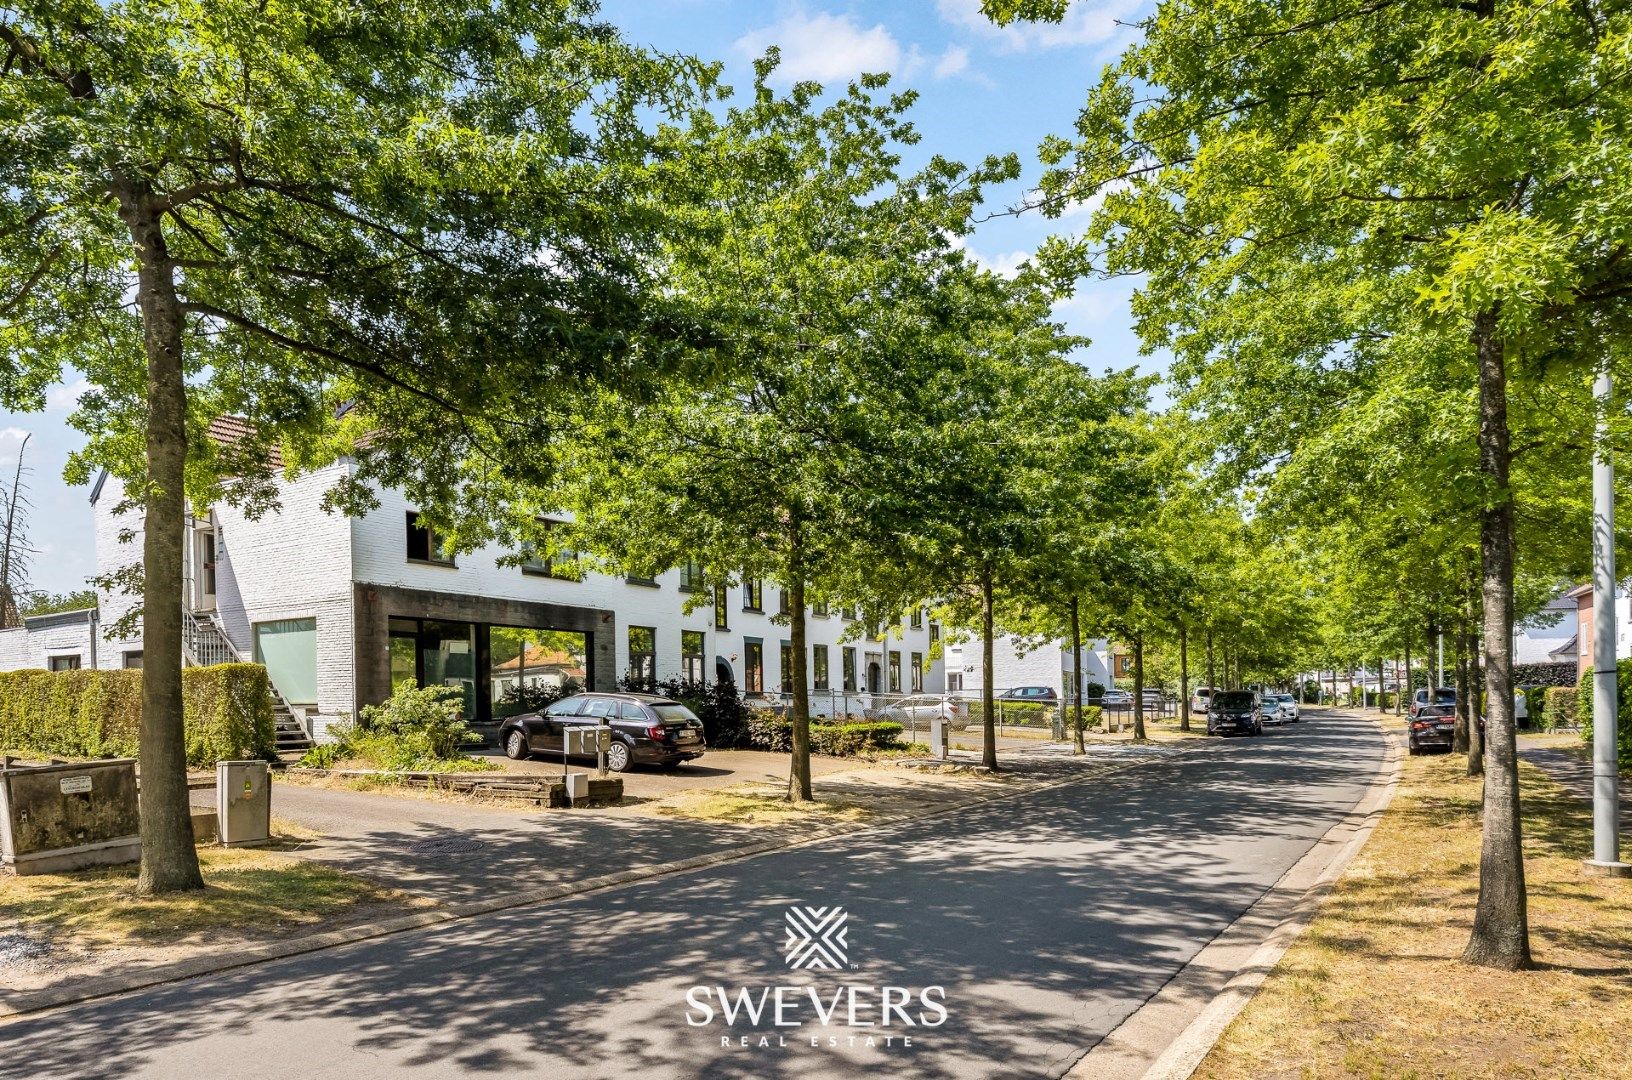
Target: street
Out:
[1044,919]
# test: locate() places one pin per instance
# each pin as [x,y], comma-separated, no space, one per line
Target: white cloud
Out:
[955,61]
[1005,265]
[12,434]
[1099,23]
[829,48]
[65,396]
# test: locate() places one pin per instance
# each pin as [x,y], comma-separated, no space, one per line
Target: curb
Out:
[1230,969]
[24,1004]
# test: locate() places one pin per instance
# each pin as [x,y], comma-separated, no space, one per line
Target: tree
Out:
[44,603]
[825,279]
[398,234]
[14,549]
[1360,181]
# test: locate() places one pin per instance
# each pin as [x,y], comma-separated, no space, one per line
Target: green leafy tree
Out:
[1310,190]
[400,232]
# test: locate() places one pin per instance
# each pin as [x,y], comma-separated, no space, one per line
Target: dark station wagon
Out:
[646,729]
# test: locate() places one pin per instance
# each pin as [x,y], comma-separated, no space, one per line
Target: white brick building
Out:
[341,609]
[1048,665]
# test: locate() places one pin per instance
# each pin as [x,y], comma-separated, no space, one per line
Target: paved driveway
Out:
[1046,919]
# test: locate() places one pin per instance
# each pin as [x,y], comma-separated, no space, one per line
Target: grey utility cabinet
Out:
[243,802]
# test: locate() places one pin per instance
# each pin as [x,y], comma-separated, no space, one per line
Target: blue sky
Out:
[984,89]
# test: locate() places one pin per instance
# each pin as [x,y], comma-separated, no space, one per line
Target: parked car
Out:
[1444,695]
[1042,695]
[1269,711]
[1287,705]
[646,729]
[1199,699]
[1152,696]
[1116,698]
[1432,726]
[1234,710]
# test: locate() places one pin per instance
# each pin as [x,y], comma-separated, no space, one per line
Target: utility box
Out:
[56,818]
[243,802]
[577,786]
[939,737]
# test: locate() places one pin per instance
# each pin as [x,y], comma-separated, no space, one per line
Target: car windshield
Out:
[1283,697]
[1444,697]
[1235,699]
[673,712]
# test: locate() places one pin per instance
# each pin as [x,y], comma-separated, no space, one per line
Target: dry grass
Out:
[757,805]
[251,893]
[1375,988]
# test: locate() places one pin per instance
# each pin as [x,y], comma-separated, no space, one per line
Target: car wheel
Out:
[515,746]
[618,756]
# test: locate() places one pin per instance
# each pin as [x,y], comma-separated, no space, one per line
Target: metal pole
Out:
[1440,645]
[1606,836]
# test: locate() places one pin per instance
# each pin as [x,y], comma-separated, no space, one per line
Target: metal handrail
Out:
[206,643]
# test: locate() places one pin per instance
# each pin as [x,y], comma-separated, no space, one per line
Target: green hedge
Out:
[1623,726]
[226,711]
[1022,713]
[770,731]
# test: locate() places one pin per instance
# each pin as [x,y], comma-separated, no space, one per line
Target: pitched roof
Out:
[228,431]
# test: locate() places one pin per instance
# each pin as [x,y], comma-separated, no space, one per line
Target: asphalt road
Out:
[1045,920]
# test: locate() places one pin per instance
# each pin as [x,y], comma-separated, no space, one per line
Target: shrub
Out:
[1092,717]
[1024,713]
[772,731]
[226,712]
[1094,690]
[416,729]
[1623,686]
[533,697]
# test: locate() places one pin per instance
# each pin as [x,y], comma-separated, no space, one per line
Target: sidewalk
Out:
[1571,767]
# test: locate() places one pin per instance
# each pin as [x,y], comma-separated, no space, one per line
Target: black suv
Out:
[1234,710]
[645,728]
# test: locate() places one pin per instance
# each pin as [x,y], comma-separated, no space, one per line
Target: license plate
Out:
[688,736]
[1444,728]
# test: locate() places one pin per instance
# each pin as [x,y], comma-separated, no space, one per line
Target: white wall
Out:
[111,556]
[1047,665]
[45,637]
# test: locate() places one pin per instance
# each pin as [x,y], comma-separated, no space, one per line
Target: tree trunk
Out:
[1501,931]
[1226,649]
[1139,687]
[1382,705]
[1409,689]
[169,859]
[1464,710]
[1464,686]
[1476,739]
[1184,677]
[988,666]
[1212,678]
[799,789]
[1399,686]
[1077,746]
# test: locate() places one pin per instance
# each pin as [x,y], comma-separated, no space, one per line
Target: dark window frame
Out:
[753,595]
[632,673]
[564,567]
[849,673]
[917,673]
[691,576]
[753,665]
[893,671]
[722,614]
[819,674]
[700,657]
[785,675]
[433,541]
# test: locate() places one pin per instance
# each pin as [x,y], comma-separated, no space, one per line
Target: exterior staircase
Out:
[204,643]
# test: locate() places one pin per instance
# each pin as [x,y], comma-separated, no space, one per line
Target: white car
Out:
[1200,698]
[924,707]
[1116,697]
[1286,707]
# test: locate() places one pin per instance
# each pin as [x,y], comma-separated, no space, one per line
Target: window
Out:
[64,663]
[447,657]
[917,673]
[753,667]
[954,682]
[563,565]
[525,665]
[787,667]
[849,668]
[425,544]
[818,666]
[847,613]
[636,579]
[722,620]
[642,655]
[288,648]
[753,595]
[819,609]
[133,660]
[691,576]
[895,672]
[917,618]
[691,655]
[934,634]
[782,602]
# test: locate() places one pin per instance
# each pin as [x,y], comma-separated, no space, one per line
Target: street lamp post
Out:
[1606,833]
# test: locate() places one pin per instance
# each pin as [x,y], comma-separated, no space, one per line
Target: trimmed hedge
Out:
[226,712]
[769,731]
[1623,725]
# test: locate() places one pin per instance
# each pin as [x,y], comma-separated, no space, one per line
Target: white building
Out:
[342,609]
[1049,664]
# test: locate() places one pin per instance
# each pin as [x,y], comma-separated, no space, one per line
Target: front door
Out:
[204,552]
[875,676]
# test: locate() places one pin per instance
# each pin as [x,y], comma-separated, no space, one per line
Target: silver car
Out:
[1287,707]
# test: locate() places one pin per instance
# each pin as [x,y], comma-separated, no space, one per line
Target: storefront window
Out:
[447,652]
[527,667]
[288,649]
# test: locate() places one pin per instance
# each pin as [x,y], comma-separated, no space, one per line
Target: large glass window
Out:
[753,667]
[642,655]
[818,666]
[787,666]
[917,673]
[819,609]
[895,672]
[781,601]
[917,618]
[753,595]
[288,649]
[404,645]
[447,657]
[691,655]
[525,666]
[850,668]
[691,576]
